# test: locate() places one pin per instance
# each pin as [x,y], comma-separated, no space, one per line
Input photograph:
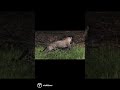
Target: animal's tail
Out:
[45,49]
[86,31]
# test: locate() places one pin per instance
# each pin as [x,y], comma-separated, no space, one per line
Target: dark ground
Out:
[48,37]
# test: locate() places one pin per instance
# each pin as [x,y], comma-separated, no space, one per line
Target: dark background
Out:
[60,19]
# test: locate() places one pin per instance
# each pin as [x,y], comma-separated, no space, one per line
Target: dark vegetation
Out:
[17,45]
[103,45]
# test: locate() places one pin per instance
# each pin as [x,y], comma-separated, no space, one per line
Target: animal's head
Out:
[69,39]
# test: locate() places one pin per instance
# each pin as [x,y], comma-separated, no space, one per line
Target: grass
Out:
[76,52]
[103,62]
[12,68]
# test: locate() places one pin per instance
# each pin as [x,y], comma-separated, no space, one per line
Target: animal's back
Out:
[60,44]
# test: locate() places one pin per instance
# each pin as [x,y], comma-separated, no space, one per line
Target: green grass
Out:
[103,62]
[76,52]
[12,68]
